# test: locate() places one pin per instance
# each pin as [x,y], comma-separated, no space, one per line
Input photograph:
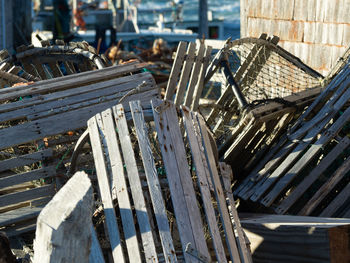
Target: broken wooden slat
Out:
[153,182]
[135,183]
[111,221]
[180,183]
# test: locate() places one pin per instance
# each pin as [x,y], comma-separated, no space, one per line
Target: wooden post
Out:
[203,19]
[63,231]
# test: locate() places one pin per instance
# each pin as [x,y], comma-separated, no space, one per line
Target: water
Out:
[224,10]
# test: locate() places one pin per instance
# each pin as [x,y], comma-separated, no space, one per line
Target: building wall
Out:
[6,36]
[316,31]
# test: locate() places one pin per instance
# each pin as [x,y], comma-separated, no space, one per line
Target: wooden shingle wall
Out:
[316,31]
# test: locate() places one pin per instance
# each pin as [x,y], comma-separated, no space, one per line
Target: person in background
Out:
[61,14]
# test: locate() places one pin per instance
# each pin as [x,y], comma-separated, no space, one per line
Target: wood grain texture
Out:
[153,182]
[58,239]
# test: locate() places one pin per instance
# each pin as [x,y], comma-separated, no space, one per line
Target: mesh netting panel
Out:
[271,74]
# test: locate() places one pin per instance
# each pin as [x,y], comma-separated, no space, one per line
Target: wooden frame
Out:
[189,218]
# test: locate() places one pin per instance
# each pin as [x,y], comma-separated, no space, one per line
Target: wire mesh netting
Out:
[263,71]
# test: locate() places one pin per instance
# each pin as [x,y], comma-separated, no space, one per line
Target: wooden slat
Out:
[18,215]
[118,183]
[147,92]
[226,173]
[111,221]
[194,75]
[185,74]
[188,218]
[68,81]
[312,177]
[18,197]
[329,90]
[41,100]
[25,159]
[219,193]
[307,157]
[96,255]
[175,71]
[202,173]
[153,182]
[325,188]
[56,71]
[135,183]
[37,174]
[55,124]
[286,163]
[337,202]
[200,85]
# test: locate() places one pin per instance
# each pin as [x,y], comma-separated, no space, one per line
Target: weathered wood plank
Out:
[175,71]
[325,188]
[185,74]
[337,202]
[118,182]
[202,172]
[147,92]
[37,174]
[25,159]
[18,215]
[96,255]
[53,125]
[200,85]
[44,99]
[153,182]
[105,190]
[226,173]
[194,75]
[179,178]
[18,197]
[64,225]
[268,232]
[312,177]
[135,183]
[67,81]
[219,193]
[307,157]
